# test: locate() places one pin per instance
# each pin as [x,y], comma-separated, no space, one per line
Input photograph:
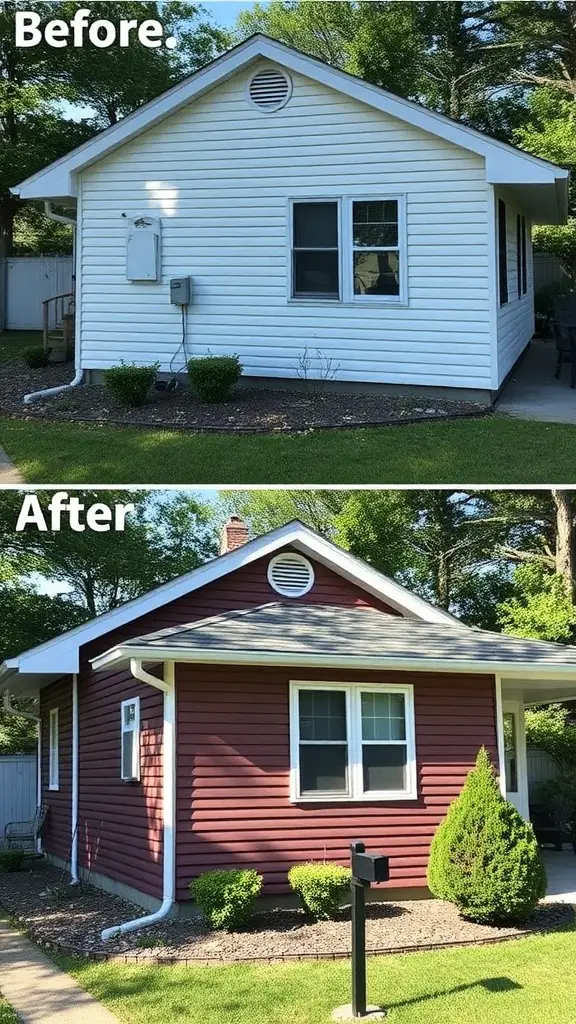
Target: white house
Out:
[307,210]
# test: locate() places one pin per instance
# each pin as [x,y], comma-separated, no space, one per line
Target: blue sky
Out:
[225,12]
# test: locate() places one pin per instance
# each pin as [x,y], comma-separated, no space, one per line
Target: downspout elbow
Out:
[139,922]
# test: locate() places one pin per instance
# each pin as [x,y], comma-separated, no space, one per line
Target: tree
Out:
[540,607]
[484,857]
[552,729]
[162,539]
[544,37]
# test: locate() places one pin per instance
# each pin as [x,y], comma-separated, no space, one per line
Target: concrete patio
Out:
[533,393]
[561,868]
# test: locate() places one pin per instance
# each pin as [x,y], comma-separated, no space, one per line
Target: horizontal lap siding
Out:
[220,173]
[120,824]
[233,802]
[516,318]
[56,837]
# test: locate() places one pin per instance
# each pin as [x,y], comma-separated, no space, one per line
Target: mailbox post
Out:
[366,868]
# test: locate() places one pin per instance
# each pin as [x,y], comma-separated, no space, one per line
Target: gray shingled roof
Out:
[288,627]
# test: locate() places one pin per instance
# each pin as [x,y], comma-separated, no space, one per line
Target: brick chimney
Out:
[234,535]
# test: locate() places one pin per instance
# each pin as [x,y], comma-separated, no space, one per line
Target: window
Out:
[53,767]
[502,253]
[524,259]
[519,254]
[130,727]
[315,258]
[351,742]
[376,254]
[349,250]
[510,751]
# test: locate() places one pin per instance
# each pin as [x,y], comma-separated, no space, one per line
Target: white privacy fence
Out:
[17,789]
[28,281]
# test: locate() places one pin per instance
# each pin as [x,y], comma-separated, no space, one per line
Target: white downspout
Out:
[75,879]
[168,800]
[33,718]
[79,373]
[500,735]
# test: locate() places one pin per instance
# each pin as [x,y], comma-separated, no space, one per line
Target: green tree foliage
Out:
[552,729]
[540,607]
[484,857]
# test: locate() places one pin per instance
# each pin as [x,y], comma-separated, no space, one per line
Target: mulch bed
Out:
[61,917]
[250,410]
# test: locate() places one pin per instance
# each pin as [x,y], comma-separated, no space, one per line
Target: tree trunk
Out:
[443,582]
[563,501]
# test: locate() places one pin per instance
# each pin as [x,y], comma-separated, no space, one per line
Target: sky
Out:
[225,12]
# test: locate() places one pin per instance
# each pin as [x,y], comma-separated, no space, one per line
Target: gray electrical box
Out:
[180,291]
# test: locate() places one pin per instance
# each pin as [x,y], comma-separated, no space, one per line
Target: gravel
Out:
[250,410]
[59,915]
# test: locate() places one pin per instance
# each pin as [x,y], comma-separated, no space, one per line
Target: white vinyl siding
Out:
[515,319]
[221,175]
[53,751]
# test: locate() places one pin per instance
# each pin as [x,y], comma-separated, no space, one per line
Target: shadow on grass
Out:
[493,985]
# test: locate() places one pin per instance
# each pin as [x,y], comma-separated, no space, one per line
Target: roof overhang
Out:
[505,165]
[123,654]
[61,656]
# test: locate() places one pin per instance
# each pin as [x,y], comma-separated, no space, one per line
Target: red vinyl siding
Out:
[56,838]
[233,774]
[120,824]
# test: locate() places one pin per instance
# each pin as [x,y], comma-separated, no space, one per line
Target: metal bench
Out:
[23,835]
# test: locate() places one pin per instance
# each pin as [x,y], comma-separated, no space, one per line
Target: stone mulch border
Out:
[391,421]
[148,957]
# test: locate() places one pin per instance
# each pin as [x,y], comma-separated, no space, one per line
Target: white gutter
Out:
[75,878]
[288,659]
[33,396]
[500,736]
[168,801]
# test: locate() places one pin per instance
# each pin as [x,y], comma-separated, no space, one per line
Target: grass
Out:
[7,1014]
[494,451]
[12,343]
[527,980]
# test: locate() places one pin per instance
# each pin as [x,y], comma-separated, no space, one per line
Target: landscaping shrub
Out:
[11,860]
[35,357]
[212,377]
[484,856]
[320,887]
[226,898]
[130,384]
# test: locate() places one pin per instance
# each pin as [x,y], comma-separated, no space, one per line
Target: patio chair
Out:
[19,835]
[564,328]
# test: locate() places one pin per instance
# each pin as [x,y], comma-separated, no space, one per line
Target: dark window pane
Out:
[384,767]
[519,254]
[376,273]
[322,715]
[323,768]
[316,273]
[375,224]
[524,259]
[315,225]
[502,253]
[383,716]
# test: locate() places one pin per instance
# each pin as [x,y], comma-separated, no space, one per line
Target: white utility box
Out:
[143,248]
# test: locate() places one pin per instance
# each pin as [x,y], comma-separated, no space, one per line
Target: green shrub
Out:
[212,377]
[130,384]
[320,887]
[226,898]
[11,860]
[484,856]
[35,357]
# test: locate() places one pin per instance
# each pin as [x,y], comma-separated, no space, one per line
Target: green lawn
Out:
[12,342]
[509,983]
[494,451]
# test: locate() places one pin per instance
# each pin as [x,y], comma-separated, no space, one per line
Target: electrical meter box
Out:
[180,291]
[143,250]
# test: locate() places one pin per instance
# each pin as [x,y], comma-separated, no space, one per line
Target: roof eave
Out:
[123,654]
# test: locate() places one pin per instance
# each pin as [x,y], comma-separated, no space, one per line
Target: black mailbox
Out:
[370,867]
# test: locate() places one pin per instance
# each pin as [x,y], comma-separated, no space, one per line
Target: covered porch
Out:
[534,393]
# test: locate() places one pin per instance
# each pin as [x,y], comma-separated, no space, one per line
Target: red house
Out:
[266,709]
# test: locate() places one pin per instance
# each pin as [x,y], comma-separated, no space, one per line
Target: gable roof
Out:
[504,163]
[61,656]
[285,633]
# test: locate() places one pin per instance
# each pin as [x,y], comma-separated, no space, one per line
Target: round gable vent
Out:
[290,574]
[270,89]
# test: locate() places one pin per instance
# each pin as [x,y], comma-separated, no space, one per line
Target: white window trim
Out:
[346,251]
[135,727]
[353,726]
[54,752]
